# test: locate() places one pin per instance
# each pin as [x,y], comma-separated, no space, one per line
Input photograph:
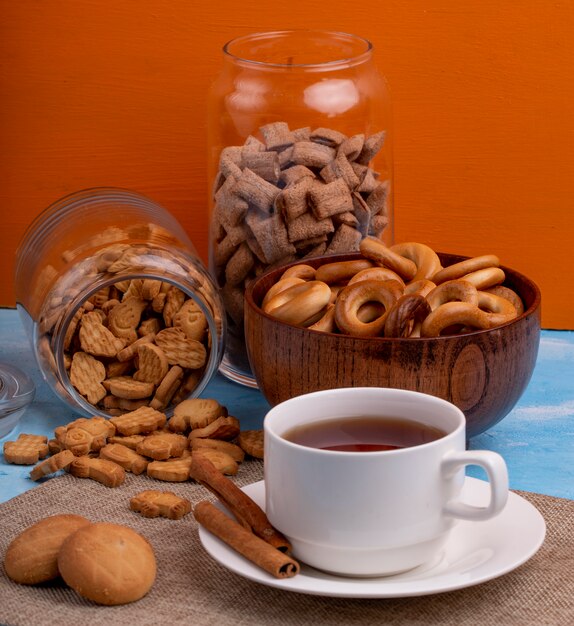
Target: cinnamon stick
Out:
[245,542]
[248,513]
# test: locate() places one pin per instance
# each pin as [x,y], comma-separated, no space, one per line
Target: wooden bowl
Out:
[484,372]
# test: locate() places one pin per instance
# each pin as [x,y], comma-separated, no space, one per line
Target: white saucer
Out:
[474,553]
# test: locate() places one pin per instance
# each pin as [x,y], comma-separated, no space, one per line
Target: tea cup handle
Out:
[495,468]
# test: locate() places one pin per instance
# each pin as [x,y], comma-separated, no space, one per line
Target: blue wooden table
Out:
[536,438]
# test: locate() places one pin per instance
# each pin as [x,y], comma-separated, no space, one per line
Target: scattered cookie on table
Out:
[153,503]
[26,450]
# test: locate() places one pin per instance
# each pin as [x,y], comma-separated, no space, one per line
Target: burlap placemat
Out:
[191,588]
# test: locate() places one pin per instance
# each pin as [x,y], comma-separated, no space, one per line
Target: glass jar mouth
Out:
[307,49]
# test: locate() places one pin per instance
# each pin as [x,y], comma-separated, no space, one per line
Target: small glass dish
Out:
[17,390]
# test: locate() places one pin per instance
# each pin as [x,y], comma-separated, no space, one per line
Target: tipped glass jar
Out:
[120,311]
[300,160]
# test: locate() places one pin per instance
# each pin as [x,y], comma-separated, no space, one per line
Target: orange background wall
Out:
[97,93]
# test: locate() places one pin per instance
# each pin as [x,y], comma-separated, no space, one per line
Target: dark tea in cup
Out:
[363,434]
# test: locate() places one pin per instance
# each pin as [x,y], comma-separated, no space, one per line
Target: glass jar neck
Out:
[298,50]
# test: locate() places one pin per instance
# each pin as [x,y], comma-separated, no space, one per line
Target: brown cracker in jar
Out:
[345,239]
[256,191]
[271,235]
[162,446]
[180,350]
[152,364]
[103,471]
[307,226]
[293,201]
[311,154]
[195,413]
[377,199]
[26,450]
[239,265]
[371,147]
[153,503]
[52,464]
[119,368]
[264,164]
[140,421]
[340,169]
[330,198]
[127,458]
[276,136]
[72,327]
[295,173]
[327,137]
[84,435]
[86,375]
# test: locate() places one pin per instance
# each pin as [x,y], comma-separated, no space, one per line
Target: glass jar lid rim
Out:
[259,36]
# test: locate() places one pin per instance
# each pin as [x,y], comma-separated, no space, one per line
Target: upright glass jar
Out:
[300,160]
[119,309]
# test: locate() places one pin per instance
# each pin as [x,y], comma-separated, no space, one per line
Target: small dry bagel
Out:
[420,287]
[279,286]
[424,257]
[452,291]
[458,270]
[353,297]
[498,310]
[405,314]
[376,273]
[301,270]
[375,250]
[326,323]
[486,277]
[454,314]
[299,303]
[508,294]
[341,271]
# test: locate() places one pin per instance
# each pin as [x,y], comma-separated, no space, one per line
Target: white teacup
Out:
[372,513]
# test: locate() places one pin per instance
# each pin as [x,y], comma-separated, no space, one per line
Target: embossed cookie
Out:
[221,460]
[32,557]
[222,428]
[252,442]
[26,450]
[96,339]
[195,413]
[234,451]
[152,364]
[191,319]
[162,446]
[86,375]
[180,350]
[167,388]
[128,388]
[142,420]
[51,465]
[173,470]
[130,441]
[153,503]
[127,458]
[85,435]
[102,471]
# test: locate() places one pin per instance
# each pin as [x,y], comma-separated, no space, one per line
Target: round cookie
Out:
[108,564]
[32,557]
